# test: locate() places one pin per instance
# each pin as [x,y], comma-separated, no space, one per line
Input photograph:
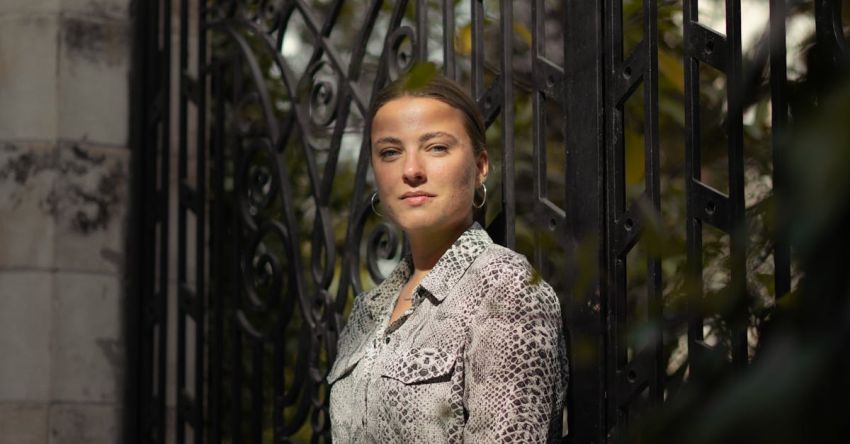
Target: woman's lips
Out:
[416,198]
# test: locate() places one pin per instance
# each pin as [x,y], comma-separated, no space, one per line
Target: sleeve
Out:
[516,368]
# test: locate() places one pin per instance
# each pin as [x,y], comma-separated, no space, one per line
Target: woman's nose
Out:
[414,171]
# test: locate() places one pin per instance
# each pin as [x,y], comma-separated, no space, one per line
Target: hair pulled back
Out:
[444,90]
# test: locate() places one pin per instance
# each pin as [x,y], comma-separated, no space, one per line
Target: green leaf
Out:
[419,75]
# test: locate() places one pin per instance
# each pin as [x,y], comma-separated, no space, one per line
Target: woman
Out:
[461,342]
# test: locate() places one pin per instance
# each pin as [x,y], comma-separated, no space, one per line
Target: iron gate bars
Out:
[257,155]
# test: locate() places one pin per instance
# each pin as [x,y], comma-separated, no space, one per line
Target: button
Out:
[387,340]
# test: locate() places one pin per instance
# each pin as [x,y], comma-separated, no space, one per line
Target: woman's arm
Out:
[515,367]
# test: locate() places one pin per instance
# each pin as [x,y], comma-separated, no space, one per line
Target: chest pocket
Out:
[419,365]
[346,361]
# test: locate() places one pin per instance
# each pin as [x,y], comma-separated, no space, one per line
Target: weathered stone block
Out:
[87,357]
[84,423]
[25,335]
[28,7]
[90,200]
[97,8]
[27,177]
[23,423]
[28,78]
[93,82]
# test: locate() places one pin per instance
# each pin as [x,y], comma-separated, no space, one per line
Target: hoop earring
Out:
[483,200]
[372,203]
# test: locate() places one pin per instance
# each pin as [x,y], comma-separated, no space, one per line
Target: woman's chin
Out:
[413,226]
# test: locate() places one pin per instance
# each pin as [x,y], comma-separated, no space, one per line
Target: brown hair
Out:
[444,90]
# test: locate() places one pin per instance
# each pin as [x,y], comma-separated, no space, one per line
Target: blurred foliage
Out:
[797,387]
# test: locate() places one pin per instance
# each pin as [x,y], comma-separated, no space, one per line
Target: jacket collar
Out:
[441,279]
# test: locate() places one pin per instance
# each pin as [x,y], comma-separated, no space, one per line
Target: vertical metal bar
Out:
[182,204]
[138,277]
[779,121]
[164,197]
[256,421]
[217,254]
[238,371]
[144,418]
[201,221]
[615,313]
[735,131]
[449,39]
[584,177]
[279,387]
[832,47]
[539,129]
[693,230]
[539,133]
[477,48]
[422,30]
[653,191]
[508,182]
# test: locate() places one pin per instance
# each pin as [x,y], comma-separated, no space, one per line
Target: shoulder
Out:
[512,282]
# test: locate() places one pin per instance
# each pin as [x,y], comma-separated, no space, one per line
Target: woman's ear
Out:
[482,164]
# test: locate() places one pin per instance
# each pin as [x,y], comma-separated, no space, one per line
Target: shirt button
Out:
[387,340]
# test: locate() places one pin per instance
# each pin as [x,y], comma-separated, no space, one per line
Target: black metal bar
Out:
[449,69]
[652,167]
[506,18]
[141,260]
[256,421]
[201,223]
[584,176]
[735,134]
[237,415]
[182,204]
[779,122]
[478,87]
[539,132]
[692,175]
[615,189]
[163,223]
[422,29]
[217,262]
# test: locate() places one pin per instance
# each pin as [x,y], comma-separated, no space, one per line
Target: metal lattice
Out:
[256,229]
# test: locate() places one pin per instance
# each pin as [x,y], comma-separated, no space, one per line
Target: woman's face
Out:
[425,166]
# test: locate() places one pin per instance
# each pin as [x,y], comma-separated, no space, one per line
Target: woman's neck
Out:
[426,248]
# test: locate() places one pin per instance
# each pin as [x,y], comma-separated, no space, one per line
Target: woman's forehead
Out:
[407,113]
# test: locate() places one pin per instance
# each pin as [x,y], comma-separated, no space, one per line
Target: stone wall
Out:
[64,178]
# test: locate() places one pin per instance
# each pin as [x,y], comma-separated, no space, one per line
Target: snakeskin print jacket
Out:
[478,358]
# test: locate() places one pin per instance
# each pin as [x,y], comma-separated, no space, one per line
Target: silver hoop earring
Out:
[372,201]
[483,200]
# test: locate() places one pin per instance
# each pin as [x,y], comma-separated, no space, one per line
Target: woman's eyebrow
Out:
[428,136]
[388,139]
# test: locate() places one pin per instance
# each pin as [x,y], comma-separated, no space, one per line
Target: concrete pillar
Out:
[64,178]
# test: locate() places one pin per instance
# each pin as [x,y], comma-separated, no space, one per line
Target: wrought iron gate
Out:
[256,232]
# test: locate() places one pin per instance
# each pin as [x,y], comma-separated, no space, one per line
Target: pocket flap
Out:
[421,365]
[345,363]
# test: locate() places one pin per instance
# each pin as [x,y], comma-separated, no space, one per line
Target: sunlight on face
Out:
[425,167]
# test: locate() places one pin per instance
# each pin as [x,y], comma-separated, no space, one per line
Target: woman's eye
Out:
[388,153]
[439,148]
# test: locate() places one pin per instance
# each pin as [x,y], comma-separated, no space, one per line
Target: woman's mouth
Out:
[416,198]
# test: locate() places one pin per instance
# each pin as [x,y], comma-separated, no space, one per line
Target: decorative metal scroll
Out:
[262,105]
